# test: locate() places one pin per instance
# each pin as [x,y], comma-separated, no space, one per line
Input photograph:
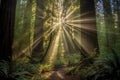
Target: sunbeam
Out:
[66,28]
[69,14]
[53,49]
[63,34]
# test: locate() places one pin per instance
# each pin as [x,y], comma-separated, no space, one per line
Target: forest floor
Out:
[59,74]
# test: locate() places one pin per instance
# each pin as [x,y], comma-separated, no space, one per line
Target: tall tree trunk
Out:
[0,2]
[117,24]
[101,31]
[27,27]
[109,24]
[50,38]
[88,27]
[7,21]
[38,31]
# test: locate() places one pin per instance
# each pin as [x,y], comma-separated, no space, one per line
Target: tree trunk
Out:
[101,31]
[7,21]
[117,24]
[89,39]
[38,32]
[109,25]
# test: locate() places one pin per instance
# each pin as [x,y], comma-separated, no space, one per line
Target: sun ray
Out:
[76,29]
[64,27]
[53,50]
[81,20]
[65,42]
[52,29]
[75,17]
[69,14]
[32,45]
[68,10]
[73,21]
[68,36]
[79,43]
[86,27]
[26,50]
[78,16]
[72,24]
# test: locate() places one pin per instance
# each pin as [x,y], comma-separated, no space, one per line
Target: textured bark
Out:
[88,27]
[7,21]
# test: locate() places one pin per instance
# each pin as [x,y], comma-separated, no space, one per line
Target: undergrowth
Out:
[22,71]
[104,67]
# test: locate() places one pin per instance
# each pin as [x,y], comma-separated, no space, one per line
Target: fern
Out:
[107,66]
[24,70]
[4,68]
[21,70]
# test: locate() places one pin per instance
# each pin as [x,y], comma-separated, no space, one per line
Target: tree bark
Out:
[7,21]
[88,27]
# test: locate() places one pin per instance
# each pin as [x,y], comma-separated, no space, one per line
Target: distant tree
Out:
[116,6]
[109,24]
[49,37]
[38,30]
[42,24]
[101,30]
[24,28]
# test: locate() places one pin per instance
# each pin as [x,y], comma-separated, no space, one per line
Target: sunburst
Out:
[62,26]
[66,28]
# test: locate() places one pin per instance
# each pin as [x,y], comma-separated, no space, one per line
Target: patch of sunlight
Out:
[60,75]
[47,74]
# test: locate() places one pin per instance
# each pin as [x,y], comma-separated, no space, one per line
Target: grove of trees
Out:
[82,37]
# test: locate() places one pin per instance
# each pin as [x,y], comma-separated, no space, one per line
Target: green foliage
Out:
[104,67]
[44,68]
[67,60]
[24,27]
[83,67]
[38,78]
[24,71]
[107,66]
[21,71]
[4,67]
[72,58]
[70,70]
[21,66]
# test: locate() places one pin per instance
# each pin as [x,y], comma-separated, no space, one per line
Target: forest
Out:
[59,39]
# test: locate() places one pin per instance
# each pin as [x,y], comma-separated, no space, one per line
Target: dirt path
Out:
[60,75]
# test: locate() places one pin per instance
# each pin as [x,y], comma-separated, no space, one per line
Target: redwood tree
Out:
[7,21]
[88,25]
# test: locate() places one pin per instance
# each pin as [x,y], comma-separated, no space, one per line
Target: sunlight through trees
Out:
[60,39]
